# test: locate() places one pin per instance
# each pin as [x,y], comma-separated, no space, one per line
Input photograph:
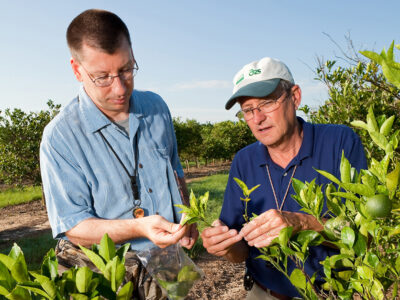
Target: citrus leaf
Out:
[83,278]
[95,259]
[107,248]
[125,293]
[298,279]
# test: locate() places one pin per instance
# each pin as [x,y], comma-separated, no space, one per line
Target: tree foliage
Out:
[20,136]
[352,89]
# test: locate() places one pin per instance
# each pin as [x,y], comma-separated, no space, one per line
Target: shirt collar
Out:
[95,119]
[306,150]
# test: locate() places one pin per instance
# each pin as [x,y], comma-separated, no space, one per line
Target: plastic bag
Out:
[173,270]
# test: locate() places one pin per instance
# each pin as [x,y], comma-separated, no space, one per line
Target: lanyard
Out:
[138,212]
[279,208]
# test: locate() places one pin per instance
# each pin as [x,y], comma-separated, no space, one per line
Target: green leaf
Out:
[7,261]
[392,179]
[360,246]
[379,139]
[387,126]
[121,252]
[19,270]
[19,293]
[371,121]
[94,258]
[49,266]
[345,169]
[83,278]
[47,284]
[193,202]
[125,293]
[298,279]
[284,236]
[372,55]
[347,195]
[348,236]
[329,176]
[365,272]
[119,273]
[79,297]
[253,188]
[372,260]
[3,291]
[242,185]
[360,124]
[107,248]
[297,185]
[359,188]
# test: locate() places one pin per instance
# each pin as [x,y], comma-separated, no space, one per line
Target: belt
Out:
[275,294]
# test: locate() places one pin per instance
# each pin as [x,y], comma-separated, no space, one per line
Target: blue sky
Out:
[188,51]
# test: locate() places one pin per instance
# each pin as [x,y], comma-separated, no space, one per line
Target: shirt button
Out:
[150,190]
[284,174]
[140,166]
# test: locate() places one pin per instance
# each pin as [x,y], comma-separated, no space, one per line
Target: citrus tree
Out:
[20,136]
[362,220]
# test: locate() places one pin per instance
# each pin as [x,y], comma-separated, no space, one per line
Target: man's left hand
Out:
[263,229]
[190,236]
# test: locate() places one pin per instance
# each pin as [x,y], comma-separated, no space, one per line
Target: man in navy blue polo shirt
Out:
[287,147]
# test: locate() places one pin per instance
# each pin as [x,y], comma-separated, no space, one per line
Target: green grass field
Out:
[17,196]
[35,248]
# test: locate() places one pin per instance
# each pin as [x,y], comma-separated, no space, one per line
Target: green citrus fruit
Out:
[378,206]
[333,227]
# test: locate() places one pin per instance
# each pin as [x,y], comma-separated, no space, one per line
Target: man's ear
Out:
[296,96]
[75,68]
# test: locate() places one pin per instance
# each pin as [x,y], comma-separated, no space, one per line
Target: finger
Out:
[263,240]
[223,247]
[165,239]
[218,238]
[217,222]
[212,231]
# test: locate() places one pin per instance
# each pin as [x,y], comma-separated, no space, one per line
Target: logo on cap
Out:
[254,72]
[240,79]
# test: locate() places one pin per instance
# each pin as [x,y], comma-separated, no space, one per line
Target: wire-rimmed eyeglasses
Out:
[104,81]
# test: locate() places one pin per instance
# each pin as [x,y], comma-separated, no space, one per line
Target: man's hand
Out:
[218,239]
[190,237]
[160,231]
[263,229]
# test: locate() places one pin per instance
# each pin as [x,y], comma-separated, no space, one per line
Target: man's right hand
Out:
[160,231]
[218,239]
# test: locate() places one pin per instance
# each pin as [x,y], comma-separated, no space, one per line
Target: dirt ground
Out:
[223,280]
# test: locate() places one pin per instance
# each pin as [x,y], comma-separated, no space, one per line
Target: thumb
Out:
[169,226]
[217,222]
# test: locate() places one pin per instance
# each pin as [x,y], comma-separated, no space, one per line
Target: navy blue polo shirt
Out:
[321,149]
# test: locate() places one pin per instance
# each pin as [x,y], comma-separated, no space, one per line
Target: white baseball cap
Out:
[258,79]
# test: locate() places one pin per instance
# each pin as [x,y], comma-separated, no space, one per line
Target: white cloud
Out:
[204,84]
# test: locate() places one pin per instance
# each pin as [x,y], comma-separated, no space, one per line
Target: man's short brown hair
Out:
[96,28]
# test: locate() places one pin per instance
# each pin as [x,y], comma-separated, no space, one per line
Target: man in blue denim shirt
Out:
[109,159]
[287,147]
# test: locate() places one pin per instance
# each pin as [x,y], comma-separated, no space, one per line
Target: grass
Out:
[215,184]
[15,196]
[35,248]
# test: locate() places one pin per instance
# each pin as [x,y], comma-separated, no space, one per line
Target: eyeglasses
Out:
[265,106]
[104,81]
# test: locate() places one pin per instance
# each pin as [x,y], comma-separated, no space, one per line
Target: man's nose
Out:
[119,86]
[258,116]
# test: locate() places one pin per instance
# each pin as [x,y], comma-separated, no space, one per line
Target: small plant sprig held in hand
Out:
[246,193]
[197,210]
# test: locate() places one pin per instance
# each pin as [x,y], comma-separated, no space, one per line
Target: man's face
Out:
[112,100]
[274,128]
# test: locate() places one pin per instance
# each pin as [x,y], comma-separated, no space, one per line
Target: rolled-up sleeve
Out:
[65,188]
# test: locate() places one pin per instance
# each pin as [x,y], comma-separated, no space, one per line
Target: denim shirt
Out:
[83,179]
